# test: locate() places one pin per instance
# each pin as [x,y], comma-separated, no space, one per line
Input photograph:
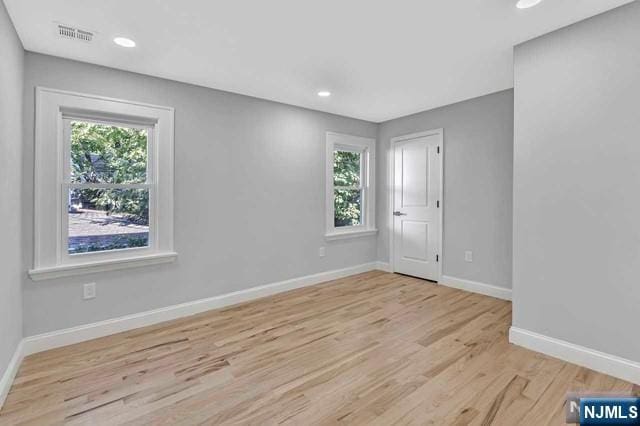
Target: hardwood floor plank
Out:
[375,348]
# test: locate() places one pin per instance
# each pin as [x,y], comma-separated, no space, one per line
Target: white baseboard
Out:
[383,266]
[476,287]
[576,354]
[10,373]
[69,336]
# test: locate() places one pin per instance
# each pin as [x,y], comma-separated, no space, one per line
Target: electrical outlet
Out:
[321,252]
[89,291]
[468,256]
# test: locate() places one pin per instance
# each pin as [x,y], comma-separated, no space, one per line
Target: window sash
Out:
[66,185]
[363,214]
[96,255]
[362,151]
[66,149]
[363,187]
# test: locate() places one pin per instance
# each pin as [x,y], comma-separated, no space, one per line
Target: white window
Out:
[103,184]
[350,186]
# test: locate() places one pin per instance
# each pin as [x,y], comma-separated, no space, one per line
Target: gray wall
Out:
[576,218]
[249,197]
[11,74]
[478,160]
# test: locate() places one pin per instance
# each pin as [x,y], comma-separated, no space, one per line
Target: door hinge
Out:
[438,150]
[437,258]
[438,204]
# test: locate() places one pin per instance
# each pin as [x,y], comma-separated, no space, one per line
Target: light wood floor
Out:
[375,349]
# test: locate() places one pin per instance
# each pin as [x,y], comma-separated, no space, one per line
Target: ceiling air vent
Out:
[74,33]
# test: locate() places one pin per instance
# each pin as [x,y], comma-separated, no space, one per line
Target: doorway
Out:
[416,201]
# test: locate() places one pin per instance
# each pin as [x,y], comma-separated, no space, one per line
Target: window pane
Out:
[108,219]
[346,168]
[107,154]
[348,207]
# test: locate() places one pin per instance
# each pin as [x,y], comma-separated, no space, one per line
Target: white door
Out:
[417,202]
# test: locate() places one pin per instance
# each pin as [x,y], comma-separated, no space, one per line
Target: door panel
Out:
[415,240]
[415,183]
[416,221]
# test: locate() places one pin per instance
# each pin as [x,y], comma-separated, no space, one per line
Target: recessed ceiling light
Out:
[124,42]
[324,94]
[525,4]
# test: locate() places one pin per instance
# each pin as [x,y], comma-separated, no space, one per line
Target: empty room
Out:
[319,212]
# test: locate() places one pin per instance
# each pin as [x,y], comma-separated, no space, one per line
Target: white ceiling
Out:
[380,59]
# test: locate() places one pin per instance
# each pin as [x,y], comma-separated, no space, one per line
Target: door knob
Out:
[399,214]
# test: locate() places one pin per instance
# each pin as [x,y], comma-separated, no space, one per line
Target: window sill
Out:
[101,266]
[350,234]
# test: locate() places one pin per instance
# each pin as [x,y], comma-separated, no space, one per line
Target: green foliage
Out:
[110,154]
[346,168]
[107,154]
[347,205]
[347,195]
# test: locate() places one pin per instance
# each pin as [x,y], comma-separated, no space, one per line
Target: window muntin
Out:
[108,186]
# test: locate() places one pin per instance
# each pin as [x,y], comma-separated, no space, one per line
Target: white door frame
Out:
[391,180]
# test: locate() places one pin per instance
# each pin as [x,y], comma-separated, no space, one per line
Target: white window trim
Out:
[368,148]
[53,110]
